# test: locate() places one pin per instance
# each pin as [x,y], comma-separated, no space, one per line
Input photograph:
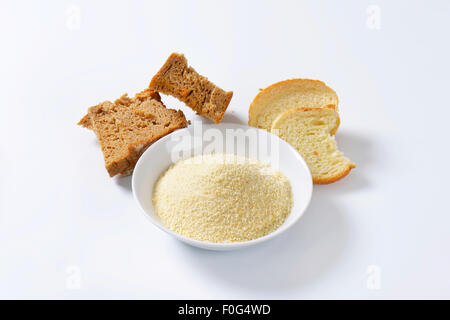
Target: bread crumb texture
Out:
[310,131]
[222,198]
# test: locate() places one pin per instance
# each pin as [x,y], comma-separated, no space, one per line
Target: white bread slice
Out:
[310,131]
[289,94]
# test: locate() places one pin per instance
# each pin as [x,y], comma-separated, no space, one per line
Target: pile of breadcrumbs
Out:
[222,198]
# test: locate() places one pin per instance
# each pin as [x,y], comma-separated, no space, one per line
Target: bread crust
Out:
[280,84]
[85,122]
[227,103]
[125,165]
[335,177]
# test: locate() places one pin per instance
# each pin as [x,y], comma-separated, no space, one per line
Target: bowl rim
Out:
[223,245]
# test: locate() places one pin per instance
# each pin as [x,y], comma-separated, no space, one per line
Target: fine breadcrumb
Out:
[222,198]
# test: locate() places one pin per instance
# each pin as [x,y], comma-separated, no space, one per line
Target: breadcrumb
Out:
[222,198]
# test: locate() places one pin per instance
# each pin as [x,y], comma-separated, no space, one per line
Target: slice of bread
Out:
[289,94]
[177,79]
[310,131]
[128,126]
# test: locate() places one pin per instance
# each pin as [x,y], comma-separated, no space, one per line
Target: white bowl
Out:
[199,138]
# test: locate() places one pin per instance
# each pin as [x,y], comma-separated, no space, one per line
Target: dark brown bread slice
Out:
[127,127]
[177,79]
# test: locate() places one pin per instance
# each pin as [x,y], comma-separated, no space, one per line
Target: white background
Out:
[69,231]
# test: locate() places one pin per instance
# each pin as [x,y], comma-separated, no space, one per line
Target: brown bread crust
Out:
[85,122]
